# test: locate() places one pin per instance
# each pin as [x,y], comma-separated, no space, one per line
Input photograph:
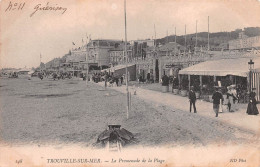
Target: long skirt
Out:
[252,109]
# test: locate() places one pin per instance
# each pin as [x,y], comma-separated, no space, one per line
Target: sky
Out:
[49,33]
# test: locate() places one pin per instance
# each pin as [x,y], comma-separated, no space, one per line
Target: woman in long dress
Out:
[251,108]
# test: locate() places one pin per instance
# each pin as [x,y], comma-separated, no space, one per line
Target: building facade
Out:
[244,42]
[76,61]
[148,42]
[117,56]
[98,52]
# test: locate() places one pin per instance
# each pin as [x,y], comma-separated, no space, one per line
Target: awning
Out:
[118,67]
[222,67]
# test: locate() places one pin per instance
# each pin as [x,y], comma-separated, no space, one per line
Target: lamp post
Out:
[250,67]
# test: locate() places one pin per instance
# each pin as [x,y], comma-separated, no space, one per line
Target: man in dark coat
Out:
[148,78]
[122,80]
[117,80]
[192,98]
[217,96]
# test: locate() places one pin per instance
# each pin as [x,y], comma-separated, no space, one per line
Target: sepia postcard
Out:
[103,83]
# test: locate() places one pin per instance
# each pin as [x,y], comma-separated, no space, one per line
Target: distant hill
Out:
[216,38]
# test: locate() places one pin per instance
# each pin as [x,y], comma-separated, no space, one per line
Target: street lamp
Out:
[250,67]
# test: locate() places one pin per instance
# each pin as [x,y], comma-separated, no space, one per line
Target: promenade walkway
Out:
[238,118]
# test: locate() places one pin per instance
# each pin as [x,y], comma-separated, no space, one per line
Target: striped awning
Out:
[222,67]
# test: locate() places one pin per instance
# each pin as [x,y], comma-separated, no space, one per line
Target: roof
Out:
[118,67]
[53,63]
[222,67]
[75,58]
[121,47]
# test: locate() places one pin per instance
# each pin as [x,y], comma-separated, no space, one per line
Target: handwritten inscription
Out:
[13,6]
[47,7]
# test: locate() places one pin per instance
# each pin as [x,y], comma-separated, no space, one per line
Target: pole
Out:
[141,50]
[208,33]
[185,41]
[196,35]
[250,78]
[126,71]
[40,60]
[175,42]
[175,34]
[154,73]
[87,64]
[167,37]
[154,35]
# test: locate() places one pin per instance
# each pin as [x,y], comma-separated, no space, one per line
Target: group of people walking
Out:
[108,78]
[54,75]
[111,79]
[218,101]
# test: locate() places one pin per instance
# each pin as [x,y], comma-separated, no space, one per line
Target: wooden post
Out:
[189,81]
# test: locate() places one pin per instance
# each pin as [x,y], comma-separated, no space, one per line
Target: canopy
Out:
[118,67]
[222,67]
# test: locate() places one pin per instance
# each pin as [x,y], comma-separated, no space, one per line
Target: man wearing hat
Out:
[217,96]
[192,98]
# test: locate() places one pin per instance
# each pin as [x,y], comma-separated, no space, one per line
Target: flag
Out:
[73,43]
[82,40]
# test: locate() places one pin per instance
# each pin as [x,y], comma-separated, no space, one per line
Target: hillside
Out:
[215,38]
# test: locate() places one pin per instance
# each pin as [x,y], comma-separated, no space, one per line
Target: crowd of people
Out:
[54,75]
[219,102]
[108,78]
[149,78]
[231,101]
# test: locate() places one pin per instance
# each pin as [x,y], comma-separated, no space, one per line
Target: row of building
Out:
[146,55]
[172,59]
